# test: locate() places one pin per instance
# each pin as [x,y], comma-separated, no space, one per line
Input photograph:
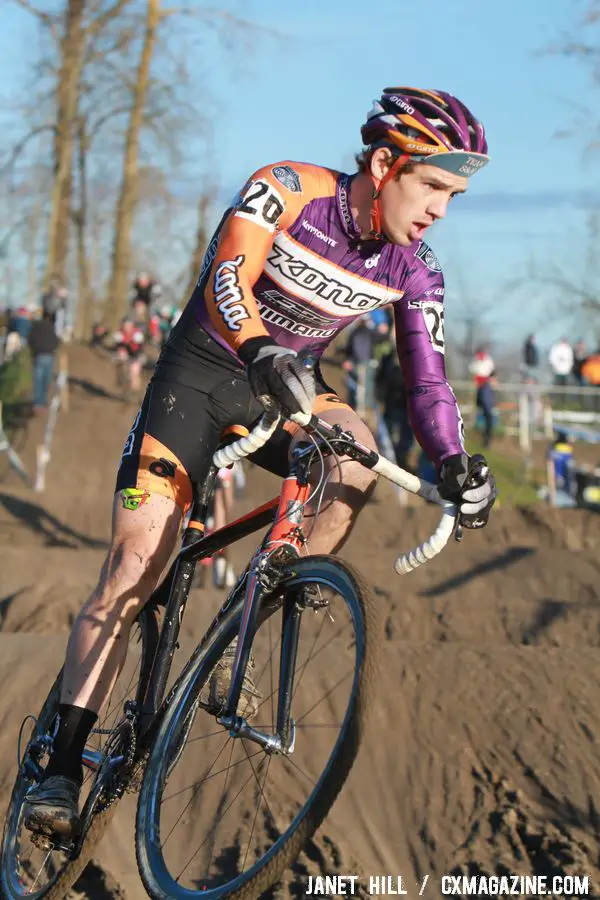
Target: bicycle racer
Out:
[298,255]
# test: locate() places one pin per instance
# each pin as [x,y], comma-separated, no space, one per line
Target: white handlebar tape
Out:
[257,438]
[410,561]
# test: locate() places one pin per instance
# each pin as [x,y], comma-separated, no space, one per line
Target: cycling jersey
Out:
[287,262]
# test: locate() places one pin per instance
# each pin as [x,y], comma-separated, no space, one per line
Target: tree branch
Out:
[104,18]
[44,17]
[214,16]
[102,120]
[18,148]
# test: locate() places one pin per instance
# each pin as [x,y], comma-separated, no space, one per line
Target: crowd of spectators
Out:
[570,364]
[42,329]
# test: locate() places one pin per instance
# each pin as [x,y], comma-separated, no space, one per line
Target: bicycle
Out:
[327,624]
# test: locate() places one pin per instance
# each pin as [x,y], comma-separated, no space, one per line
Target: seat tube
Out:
[287,527]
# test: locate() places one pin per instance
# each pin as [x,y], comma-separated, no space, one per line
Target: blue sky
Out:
[303,95]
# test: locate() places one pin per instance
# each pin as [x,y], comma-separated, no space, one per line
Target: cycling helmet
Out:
[426,127]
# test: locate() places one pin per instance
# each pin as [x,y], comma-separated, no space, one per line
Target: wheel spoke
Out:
[195,794]
[262,795]
[214,775]
[324,697]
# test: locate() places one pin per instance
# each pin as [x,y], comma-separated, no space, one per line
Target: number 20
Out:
[270,208]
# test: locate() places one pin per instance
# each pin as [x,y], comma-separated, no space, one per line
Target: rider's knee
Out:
[352,484]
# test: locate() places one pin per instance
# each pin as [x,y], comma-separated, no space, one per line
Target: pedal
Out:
[47,845]
[41,841]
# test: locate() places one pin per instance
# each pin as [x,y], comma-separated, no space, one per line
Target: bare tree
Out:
[73,38]
[204,205]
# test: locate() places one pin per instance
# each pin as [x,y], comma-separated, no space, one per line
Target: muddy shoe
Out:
[215,693]
[52,808]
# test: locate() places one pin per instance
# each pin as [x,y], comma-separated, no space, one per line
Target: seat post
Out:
[200,506]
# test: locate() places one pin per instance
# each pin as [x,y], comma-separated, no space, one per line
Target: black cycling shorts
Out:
[186,409]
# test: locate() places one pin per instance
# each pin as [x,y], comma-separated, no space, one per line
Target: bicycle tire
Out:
[158,882]
[148,621]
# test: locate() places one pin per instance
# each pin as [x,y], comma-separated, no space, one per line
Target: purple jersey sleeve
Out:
[432,407]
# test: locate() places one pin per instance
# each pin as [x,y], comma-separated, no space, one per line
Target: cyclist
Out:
[143,294]
[129,346]
[162,321]
[300,253]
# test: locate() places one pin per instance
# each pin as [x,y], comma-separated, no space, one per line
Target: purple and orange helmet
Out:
[428,126]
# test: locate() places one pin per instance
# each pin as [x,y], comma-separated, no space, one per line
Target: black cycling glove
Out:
[278,374]
[468,482]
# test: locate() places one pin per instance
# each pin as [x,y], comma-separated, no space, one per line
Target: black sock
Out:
[74,726]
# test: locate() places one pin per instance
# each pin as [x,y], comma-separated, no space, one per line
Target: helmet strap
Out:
[376,232]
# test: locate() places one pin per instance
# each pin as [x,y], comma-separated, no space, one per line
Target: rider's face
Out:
[410,204]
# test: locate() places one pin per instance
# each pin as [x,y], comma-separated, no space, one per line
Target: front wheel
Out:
[31,866]
[222,816]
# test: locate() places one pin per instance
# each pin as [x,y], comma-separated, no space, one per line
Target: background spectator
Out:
[561,472]
[561,362]
[390,391]
[43,342]
[357,363]
[579,357]
[17,331]
[590,369]
[531,355]
[55,302]
[143,294]
[482,368]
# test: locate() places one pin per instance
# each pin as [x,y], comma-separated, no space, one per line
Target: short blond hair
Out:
[363,163]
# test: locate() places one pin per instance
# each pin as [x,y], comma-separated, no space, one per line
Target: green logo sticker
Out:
[133,498]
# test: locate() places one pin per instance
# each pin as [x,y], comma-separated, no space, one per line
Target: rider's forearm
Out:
[433,411]
[436,420]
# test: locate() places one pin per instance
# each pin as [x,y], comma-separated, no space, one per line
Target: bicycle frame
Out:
[286,512]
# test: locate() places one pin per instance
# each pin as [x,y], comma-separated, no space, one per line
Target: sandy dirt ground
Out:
[482,751]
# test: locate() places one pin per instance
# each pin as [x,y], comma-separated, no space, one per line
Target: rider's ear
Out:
[381,160]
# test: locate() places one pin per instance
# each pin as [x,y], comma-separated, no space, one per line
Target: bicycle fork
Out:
[284,541]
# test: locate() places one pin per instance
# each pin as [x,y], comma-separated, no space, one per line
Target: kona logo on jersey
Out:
[299,274]
[288,177]
[319,234]
[402,104]
[428,257]
[312,279]
[228,293]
